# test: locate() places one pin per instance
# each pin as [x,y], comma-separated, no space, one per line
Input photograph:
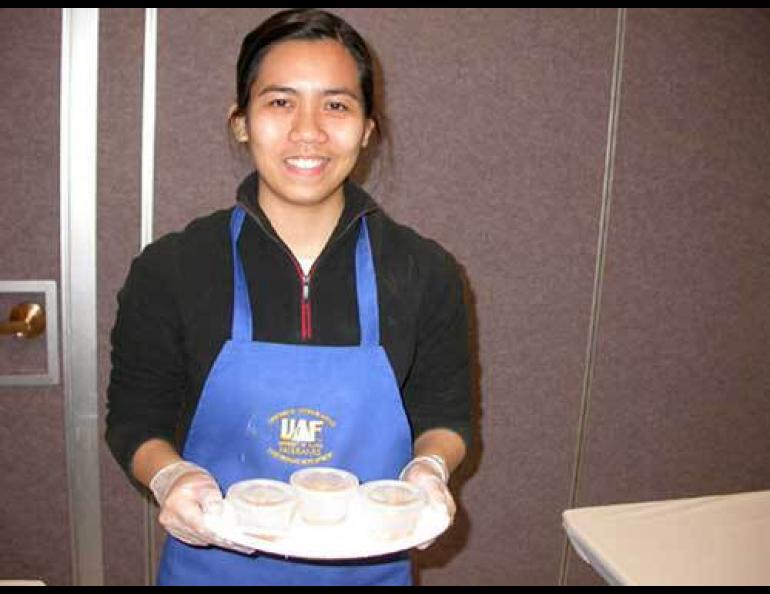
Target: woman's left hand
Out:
[425,476]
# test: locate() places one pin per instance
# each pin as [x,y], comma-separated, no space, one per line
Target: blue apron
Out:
[268,409]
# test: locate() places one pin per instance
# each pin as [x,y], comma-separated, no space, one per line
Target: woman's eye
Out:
[338,106]
[280,103]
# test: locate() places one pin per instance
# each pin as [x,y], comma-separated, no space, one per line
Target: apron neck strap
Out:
[242,323]
[366,287]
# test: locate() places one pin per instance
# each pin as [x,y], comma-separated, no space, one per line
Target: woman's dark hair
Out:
[314,24]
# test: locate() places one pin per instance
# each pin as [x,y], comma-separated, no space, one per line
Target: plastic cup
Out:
[391,509]
[324,494]
[263,506]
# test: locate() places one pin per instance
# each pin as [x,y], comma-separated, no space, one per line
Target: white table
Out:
[718,540]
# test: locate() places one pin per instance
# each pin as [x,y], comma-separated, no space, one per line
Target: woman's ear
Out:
[238,124]
[368,129]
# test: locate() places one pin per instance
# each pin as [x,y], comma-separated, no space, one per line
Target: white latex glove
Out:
[185,492]
[432,480]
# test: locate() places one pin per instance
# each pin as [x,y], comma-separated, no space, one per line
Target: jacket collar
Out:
[357,204]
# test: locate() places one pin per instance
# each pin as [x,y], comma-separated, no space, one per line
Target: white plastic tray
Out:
[348,540]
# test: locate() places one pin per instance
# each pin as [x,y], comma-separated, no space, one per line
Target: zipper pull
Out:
[305,287]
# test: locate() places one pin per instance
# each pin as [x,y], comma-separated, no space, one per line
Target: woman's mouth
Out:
[306,166]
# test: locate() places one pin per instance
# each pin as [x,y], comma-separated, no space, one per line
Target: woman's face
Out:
[305,123]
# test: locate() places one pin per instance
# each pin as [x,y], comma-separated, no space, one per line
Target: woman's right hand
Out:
[184,501]
[185,492]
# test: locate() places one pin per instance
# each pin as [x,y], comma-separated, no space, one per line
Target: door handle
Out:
[26,320]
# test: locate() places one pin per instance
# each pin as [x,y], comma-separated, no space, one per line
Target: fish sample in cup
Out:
[263,506]
[391,509]
[324,494]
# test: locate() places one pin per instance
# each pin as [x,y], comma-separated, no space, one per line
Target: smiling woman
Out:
[305,109]
[305,127]
[305,358]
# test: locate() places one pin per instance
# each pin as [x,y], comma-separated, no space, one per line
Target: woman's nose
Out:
[307,127]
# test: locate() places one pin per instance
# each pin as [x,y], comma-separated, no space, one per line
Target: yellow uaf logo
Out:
[298,435]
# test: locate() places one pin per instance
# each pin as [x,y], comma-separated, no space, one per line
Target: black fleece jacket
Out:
[175,313]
